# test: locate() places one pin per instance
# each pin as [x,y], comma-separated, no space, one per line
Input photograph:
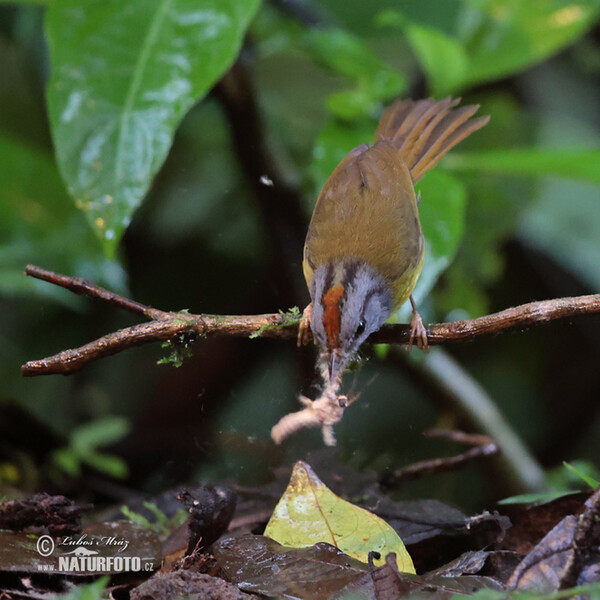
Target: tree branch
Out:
[521,317]
[186,327]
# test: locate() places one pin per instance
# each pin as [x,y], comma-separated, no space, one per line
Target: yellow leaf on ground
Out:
[309,512]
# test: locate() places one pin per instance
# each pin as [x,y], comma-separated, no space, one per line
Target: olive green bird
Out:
[364,248]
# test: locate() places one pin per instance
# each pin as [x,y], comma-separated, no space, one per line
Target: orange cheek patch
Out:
[331,314]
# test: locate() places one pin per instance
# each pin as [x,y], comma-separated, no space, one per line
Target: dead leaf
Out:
[186,584]
[59,515]
[531,523]
[497,564]
[566,556]
[386,581]
[259,564]
[419,520]
[541,570]
[309,512]
[468,563]
[435,532]
[390,584]
[19,553]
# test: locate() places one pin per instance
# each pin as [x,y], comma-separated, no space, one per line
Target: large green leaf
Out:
[123,75]
[309,513]
[505,36]
[572,164]
[490,39]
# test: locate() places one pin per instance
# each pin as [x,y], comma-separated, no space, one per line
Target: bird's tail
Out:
[424,130]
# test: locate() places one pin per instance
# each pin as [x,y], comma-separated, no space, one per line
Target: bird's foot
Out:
[418,333]
[304,326]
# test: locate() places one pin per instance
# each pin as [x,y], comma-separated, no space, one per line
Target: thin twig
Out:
[82,287]
[483,446]
[518,466]
[171,325]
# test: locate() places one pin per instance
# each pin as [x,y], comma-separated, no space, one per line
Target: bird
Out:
[364,246]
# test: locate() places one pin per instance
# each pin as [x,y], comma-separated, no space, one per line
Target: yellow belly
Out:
[404,286]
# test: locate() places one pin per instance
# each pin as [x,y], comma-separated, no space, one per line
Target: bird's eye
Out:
[361,327]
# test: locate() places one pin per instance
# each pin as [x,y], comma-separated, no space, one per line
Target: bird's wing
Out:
[367,210]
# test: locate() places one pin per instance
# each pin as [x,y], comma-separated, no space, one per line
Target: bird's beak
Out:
[336,365]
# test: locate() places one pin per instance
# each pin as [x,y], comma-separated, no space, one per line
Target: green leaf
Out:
[591,591]
[505,36]
[162,525]
[483,594]
[106,463]
[540,498]
[444,60]
[89,591]
[572,164]
[348,55]
[309,512]
[136,517]
[342,53]
[490,39]
[98,433]
[288,318]
[68,460]
[442,57]
[84,443]
[159,515]
[442,214]
[123,76]
[593,483]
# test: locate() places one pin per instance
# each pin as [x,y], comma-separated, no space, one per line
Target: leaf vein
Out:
[136,80]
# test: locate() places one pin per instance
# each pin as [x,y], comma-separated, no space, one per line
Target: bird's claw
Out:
[304,326]
[418,334]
